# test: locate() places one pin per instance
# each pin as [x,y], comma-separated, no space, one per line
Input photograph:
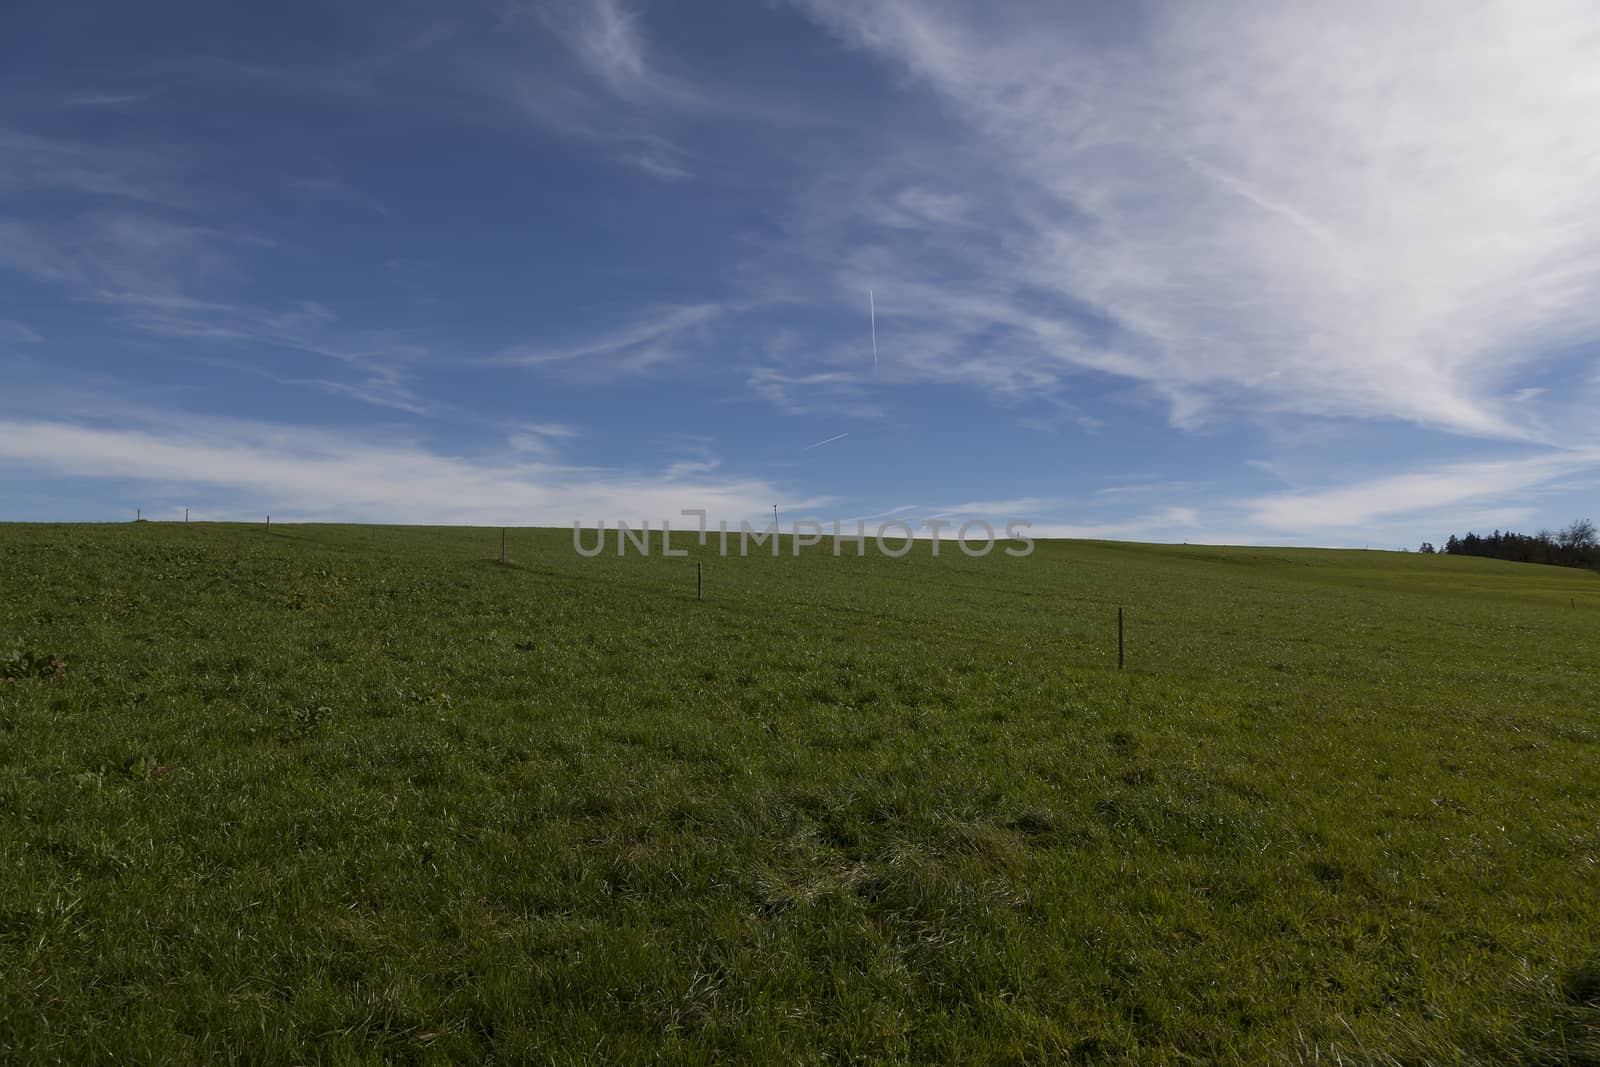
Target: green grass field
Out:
[353,794]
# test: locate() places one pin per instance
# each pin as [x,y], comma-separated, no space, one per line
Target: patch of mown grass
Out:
[330,795]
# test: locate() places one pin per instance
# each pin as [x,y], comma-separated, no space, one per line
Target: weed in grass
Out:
[22,662]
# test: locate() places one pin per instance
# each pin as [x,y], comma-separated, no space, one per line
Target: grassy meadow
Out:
[344,794]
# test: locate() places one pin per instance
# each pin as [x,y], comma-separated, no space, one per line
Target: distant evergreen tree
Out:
[1575,546]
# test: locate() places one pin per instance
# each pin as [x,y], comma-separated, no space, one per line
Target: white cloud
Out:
[838,393]
[1170,523]
[1419,494]
[1018,507]
[1366,209]
[688,468]
[903,509]
[253,468]
[1167,524]
[1149,488]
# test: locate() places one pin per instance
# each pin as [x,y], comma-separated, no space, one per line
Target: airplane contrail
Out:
[872,305]
[829,441]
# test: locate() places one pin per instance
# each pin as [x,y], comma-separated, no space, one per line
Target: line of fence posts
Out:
[699,580]
[699,594]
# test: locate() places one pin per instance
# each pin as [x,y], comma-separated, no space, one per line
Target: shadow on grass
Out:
[1571,1035]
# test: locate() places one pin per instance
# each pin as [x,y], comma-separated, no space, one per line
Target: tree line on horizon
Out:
[1574,546]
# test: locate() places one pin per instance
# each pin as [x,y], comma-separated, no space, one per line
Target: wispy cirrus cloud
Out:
[1369,210]
[613,90]
[635,346]
[541,439]
[16,332]
[30,162]
[138,241]
[609,82]
[110,100]
[605,37]
[383,387]
[376,363]
[144,274]
[116,250]
[382,54]
[660,164]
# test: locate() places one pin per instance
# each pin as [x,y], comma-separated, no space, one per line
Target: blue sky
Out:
[1298,274]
